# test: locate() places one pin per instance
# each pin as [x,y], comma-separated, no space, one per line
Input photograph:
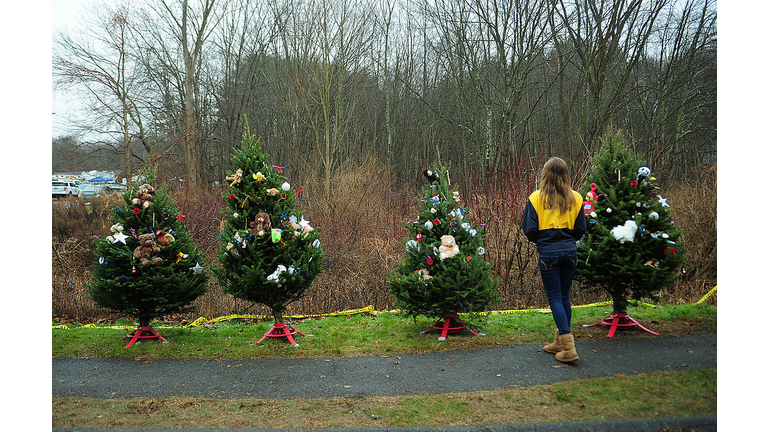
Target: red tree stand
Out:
[444,325]
[619,320]
[143,333]
[280,330]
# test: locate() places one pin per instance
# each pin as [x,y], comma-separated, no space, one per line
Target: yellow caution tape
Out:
[706,296]
[202,320]
[370,310]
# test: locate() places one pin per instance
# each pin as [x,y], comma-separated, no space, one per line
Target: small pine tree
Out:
[632,248]
[431,282]
[268,253]
[156,280]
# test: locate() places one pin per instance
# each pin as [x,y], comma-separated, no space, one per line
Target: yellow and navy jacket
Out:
[552,231]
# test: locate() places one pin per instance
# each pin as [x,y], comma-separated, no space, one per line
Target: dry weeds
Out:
[360,221]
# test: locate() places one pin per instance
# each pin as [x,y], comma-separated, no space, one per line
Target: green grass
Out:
[658,394]
[362,334]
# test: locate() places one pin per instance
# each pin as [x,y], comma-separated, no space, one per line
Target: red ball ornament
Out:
[429,260]
[136,211]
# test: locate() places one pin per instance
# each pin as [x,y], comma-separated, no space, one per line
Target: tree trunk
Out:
[619,302]
[191,128]
[278,314]
[144,321]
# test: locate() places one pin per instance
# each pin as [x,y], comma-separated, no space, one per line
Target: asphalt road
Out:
[393,375]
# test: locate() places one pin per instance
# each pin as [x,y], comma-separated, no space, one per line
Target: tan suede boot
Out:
[568,354]
[555,347]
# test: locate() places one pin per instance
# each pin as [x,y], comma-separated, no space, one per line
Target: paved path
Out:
[404,374]
[394,375]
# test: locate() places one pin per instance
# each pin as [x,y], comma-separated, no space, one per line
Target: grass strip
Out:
[652,395]
[363,334]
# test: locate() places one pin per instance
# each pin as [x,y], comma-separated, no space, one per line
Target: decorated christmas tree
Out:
[443,272]
[269,254]
[632,247]
[148,266]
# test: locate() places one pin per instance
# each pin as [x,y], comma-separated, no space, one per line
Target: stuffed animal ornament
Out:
[448,248]
[591,198]
[236,178]
[431,176]
[643,173]
[145,253]
[164,238]
[625,232]
[261,225]
[144,196]
[276,275]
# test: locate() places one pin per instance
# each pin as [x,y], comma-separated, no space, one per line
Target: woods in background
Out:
[476,85]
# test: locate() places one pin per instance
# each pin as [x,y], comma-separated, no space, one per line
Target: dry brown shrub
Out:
[693,202]
[360,218]
[74,223]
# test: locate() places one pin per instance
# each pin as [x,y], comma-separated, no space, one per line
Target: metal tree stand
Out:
[142,333]
[619,320]
[280,330]
[444,325]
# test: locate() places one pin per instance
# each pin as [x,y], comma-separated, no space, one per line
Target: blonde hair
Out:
[556,186]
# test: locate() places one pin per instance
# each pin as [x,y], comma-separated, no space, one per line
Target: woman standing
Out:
[554,220]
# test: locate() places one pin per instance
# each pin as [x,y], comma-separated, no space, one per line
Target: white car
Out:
[90,191]
[97,191]
[62,188]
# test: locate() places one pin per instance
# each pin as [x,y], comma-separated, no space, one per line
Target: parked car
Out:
[62,188]
[90,191]
[114,188]
[99,190]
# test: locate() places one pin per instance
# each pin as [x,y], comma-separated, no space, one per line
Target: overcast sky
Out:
[64,14]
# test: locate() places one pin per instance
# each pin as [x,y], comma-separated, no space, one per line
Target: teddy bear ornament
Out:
[448,248]
[146,252]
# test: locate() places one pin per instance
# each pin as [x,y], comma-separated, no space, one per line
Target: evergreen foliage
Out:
[426,284]
[646,259]
[171,277]
[274,267]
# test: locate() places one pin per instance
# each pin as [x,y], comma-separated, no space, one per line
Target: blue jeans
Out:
[557,272]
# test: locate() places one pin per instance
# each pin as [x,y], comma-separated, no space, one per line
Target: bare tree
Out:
[99,61]
[475,84]
[608,38]
[325,43]
[242,46]
[675,105]
[181,28]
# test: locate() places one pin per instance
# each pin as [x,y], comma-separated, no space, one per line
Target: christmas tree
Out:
[269,254]
[631,248]
[148,266]
[443,272]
